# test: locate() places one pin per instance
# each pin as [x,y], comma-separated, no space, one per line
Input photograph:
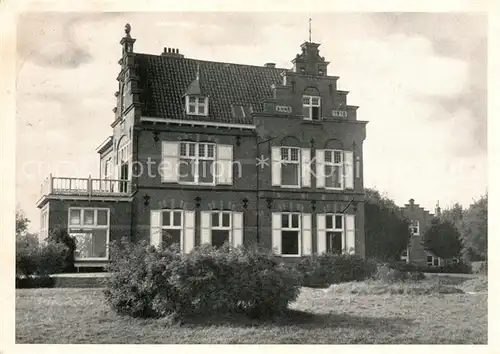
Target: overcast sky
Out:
[419,79]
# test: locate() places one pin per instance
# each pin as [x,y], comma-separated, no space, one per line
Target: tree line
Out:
[459,232]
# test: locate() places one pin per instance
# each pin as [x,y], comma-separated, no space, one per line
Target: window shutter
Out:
[206,232]
[155,223]
[276,166]
[321,233]
[348,170]
[350,234]
[320,168]
[237,229]
[306,234]
[306,167]
[276,221]
[188,231]
[169,161]
[224,165]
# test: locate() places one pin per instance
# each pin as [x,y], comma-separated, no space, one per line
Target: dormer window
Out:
[311,107]
[197,105]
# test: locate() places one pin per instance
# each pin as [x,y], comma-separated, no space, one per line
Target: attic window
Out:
[197,105]
[239,111]
[311,107]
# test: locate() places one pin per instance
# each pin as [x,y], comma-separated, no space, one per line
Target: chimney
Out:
[270,65]
[412,201]
[172,53]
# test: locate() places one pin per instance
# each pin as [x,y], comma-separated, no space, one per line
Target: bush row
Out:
[457,268]
[147,281]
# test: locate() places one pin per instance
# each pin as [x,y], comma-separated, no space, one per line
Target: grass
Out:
[318,316]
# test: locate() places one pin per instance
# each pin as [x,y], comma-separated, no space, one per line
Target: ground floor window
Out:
[171,229]
[432,261]
[290,234]
[221,228]
[334,233]
[90,228]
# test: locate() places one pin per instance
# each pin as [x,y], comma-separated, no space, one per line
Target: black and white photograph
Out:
[229,177]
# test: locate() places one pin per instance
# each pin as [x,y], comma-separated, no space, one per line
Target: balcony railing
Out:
[90,187]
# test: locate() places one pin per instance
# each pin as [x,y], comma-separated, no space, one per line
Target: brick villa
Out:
[213,152]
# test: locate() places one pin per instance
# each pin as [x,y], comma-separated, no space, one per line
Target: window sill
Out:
[92,259]
[290,187]
[290,255]
[313,121]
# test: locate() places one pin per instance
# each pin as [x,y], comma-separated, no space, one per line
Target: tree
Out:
[22,222]
[443,239]
[386,232]
[454,215]
[474,230]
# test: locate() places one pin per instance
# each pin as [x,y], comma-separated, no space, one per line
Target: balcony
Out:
[84,189]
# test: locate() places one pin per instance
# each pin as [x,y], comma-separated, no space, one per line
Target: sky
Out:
[418,78]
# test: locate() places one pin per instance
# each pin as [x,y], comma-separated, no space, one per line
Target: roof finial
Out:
[310,30]
[127,29]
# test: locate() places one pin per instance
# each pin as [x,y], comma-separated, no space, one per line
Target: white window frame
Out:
[171,226]
[415,224]
[108,167]
[94,226]
[289,160]
[431,263]
[220,227]
[332,163]
[44,222]
[334,229]
[310,106]
[196,161]
[198,101]
[291,228]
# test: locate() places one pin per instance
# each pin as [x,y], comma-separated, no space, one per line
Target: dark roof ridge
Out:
[213,62]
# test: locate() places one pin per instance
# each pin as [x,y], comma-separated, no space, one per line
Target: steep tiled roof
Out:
[164,80]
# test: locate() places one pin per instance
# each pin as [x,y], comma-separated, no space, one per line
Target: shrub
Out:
[33,259]
[157,282]
[26,257]
[397,272]
[457,268]
[62,236]
[401,288]
[38,282]
[480,267]
[330,268]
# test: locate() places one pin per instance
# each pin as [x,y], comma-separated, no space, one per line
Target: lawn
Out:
[318,316]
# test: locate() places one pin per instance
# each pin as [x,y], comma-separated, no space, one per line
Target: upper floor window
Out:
[311,107]
[290,166]
[415,227]
[333,169]
[197,105]
[108,168]
[196,163]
